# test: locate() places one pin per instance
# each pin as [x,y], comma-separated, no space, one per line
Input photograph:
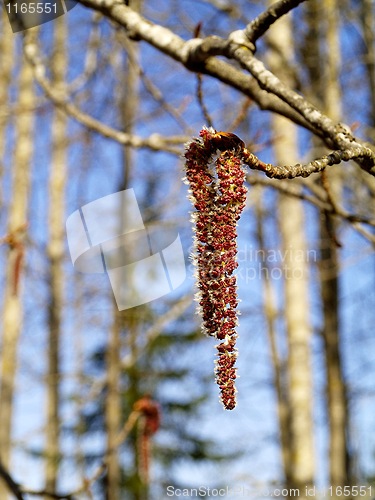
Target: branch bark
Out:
[256,28]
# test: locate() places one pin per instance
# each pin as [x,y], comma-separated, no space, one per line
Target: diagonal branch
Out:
[155,142]
[285,187]
[120,438]
[12,485]
[271,83]
[256,28]
[194,54]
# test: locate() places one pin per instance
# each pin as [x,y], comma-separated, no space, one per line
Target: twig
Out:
[286,188]
[290,190]
[157,327]
[205,113]
[155,142]
[90,64]
[19,491]
[329,223]
[123,434]
[202,105]
[187,53]
[299,170]
[327,188]
[366,234]
[48,494]
[241,115]
[12,485]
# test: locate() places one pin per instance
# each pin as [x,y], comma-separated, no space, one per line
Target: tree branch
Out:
[12,485]
[48,494]
[19,491]
[122,435]
[299,170]
[194,54]
[334,135]
[295,191]
[155,142]
[256,28]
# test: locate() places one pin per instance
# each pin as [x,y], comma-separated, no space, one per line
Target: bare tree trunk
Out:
[113,409]
[291,221]
[324,73]
[131,321]
[368,28]
[336,390]
[293,240]
[17,228]
[270,311]
[6,67]
[128,109]
[329,267]
[55,252]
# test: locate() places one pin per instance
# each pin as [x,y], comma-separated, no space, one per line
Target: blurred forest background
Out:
[90,111]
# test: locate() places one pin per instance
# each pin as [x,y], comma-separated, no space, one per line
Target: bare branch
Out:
[256,28]
[299,170]
[19,491]
[152,89]
[48,494]
[12,485]
[201,102]
[286,187]
[157,327]
[335,135]
[292,190]
[155,142]
[366,234]
[90,63]
[195,54]
[122,435]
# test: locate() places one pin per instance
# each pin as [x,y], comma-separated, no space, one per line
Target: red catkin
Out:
[218,194]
